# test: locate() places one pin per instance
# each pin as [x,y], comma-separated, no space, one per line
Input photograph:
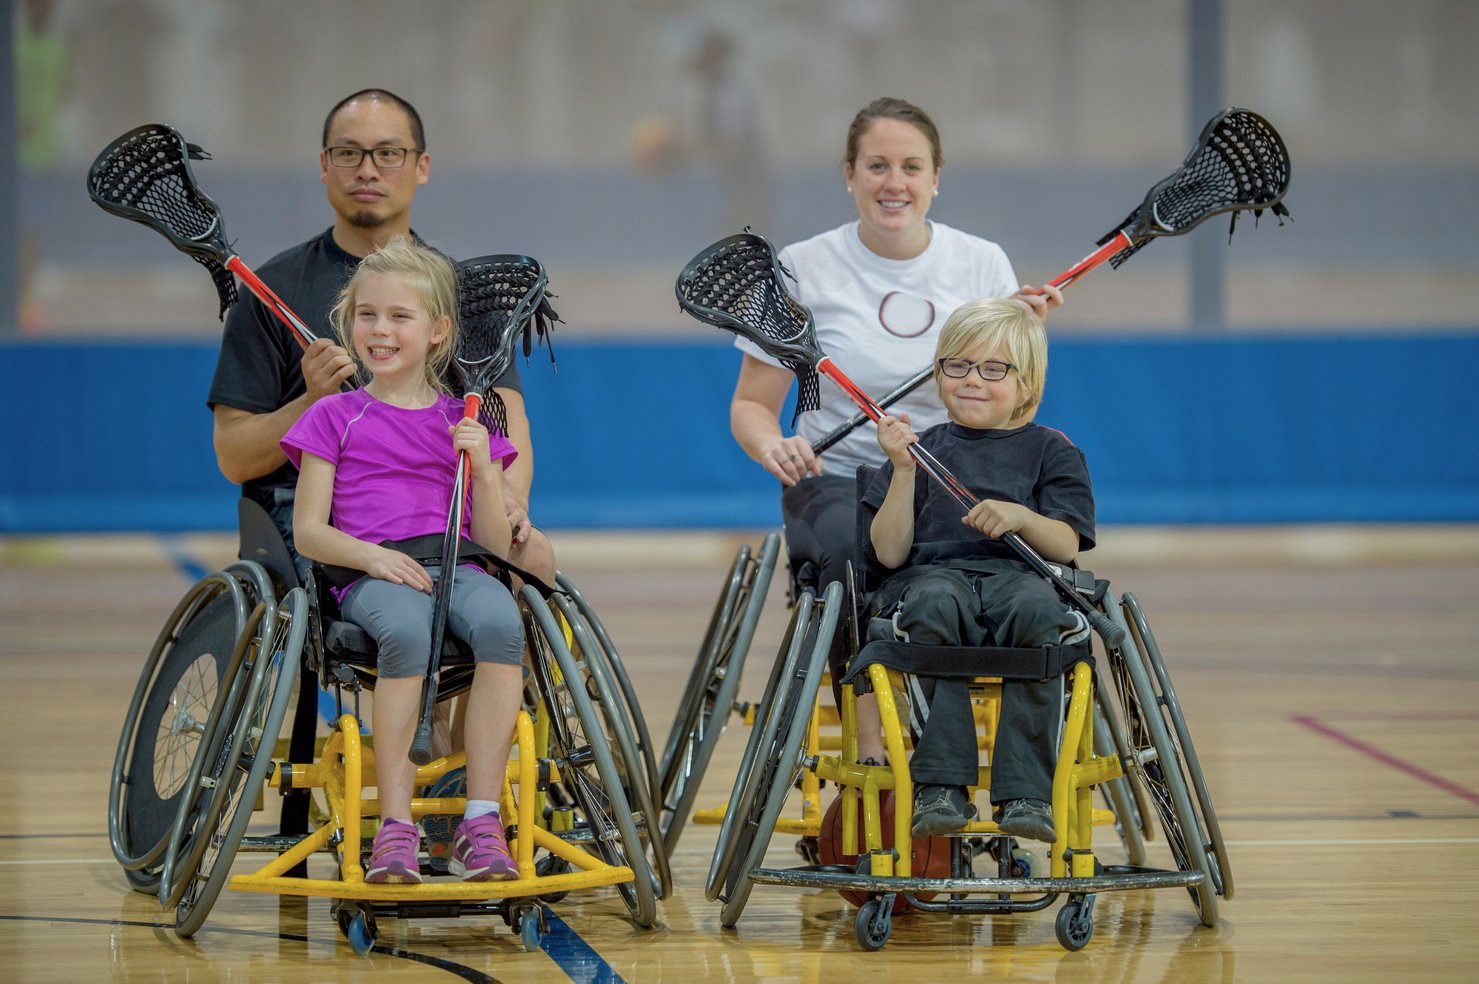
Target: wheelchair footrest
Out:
[1113,880]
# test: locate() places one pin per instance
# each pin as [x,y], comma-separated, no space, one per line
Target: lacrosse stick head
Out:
[738,284]
[1239,164]
[500,299]
[145,176]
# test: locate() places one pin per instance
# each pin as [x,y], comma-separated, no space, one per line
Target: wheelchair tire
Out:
[776,771]
[588,772]
[762,736]
[1181,736]
[182,852]
[165,720]
[710,696]
[619,676]
[1156,763]
[592,659]
[246,758]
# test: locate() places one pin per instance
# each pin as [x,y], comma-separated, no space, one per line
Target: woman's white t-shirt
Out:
[878,320]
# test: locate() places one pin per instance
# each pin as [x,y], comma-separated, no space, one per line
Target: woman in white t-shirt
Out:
[879,289]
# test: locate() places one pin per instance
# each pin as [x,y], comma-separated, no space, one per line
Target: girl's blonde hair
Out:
[999,324]
[424,270]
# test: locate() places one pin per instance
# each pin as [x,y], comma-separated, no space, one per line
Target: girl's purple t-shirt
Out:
[394,467]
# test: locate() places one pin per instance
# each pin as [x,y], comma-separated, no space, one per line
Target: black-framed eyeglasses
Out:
[382,156]
[961,368]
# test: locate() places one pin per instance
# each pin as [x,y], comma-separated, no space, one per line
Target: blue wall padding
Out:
[1250,429]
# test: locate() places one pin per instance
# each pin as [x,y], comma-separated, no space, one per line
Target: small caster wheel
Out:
[361,937]
[810,850]
[551,864]
[529,930]
[1075,924]
[873,924]
[1025,864]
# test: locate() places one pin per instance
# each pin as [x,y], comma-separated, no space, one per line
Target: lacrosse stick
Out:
[145,176]
[858,419]
[499,298]
[736,285]
[1238,164]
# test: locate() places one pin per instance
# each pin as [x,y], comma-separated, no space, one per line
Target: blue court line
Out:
[574,955]
[180,557]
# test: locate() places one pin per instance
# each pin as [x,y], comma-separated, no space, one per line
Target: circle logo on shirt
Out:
[905,315]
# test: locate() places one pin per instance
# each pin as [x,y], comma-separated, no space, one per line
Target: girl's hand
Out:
[471,436]
[790,459]
[996,518]
[1039,304]
[397,568]
[894,437]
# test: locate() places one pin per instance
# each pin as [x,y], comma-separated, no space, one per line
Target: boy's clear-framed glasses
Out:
[345,156]
[990,370]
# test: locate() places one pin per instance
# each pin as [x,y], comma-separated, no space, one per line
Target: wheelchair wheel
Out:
[240,770]
[182,850]
[588,773]
[616,724]
[710,695]
[1181,738]
[619,676]
[165,720]
[780,764]
[1156,763]
[762,736]
[1119,793]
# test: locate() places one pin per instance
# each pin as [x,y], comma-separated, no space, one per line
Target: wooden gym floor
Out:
[1330,677]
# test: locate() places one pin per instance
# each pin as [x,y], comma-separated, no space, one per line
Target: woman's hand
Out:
[397,568]
[1039,303]
[790,459]
[894,437]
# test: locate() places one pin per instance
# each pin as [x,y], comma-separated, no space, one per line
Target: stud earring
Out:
[849,189]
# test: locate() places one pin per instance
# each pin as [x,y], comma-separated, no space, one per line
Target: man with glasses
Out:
[373,159]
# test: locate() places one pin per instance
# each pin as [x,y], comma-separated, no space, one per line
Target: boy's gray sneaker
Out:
[940,810]
[1028,818]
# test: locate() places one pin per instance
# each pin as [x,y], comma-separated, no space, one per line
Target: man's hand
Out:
[325,368]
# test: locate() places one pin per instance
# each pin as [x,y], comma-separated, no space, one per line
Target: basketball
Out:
[929,857]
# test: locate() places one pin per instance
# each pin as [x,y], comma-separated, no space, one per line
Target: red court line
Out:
[1401,765]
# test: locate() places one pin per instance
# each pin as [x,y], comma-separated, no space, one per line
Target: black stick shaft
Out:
[421,751]
[859,419]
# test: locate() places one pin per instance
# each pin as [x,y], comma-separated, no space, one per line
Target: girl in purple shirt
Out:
[377,465]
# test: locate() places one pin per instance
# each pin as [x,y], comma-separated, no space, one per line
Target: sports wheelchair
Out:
[710,698]
[200,743]
[1141,755]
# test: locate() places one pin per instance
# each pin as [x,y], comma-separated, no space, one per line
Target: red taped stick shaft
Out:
[829,369]
[1083,266]
[285,314]
[471,404]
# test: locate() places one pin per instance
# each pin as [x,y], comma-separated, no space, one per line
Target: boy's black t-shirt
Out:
[258,368]
[1032,465]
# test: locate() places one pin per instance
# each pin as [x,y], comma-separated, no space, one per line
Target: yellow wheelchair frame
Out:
[574,743]
[1152,749]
